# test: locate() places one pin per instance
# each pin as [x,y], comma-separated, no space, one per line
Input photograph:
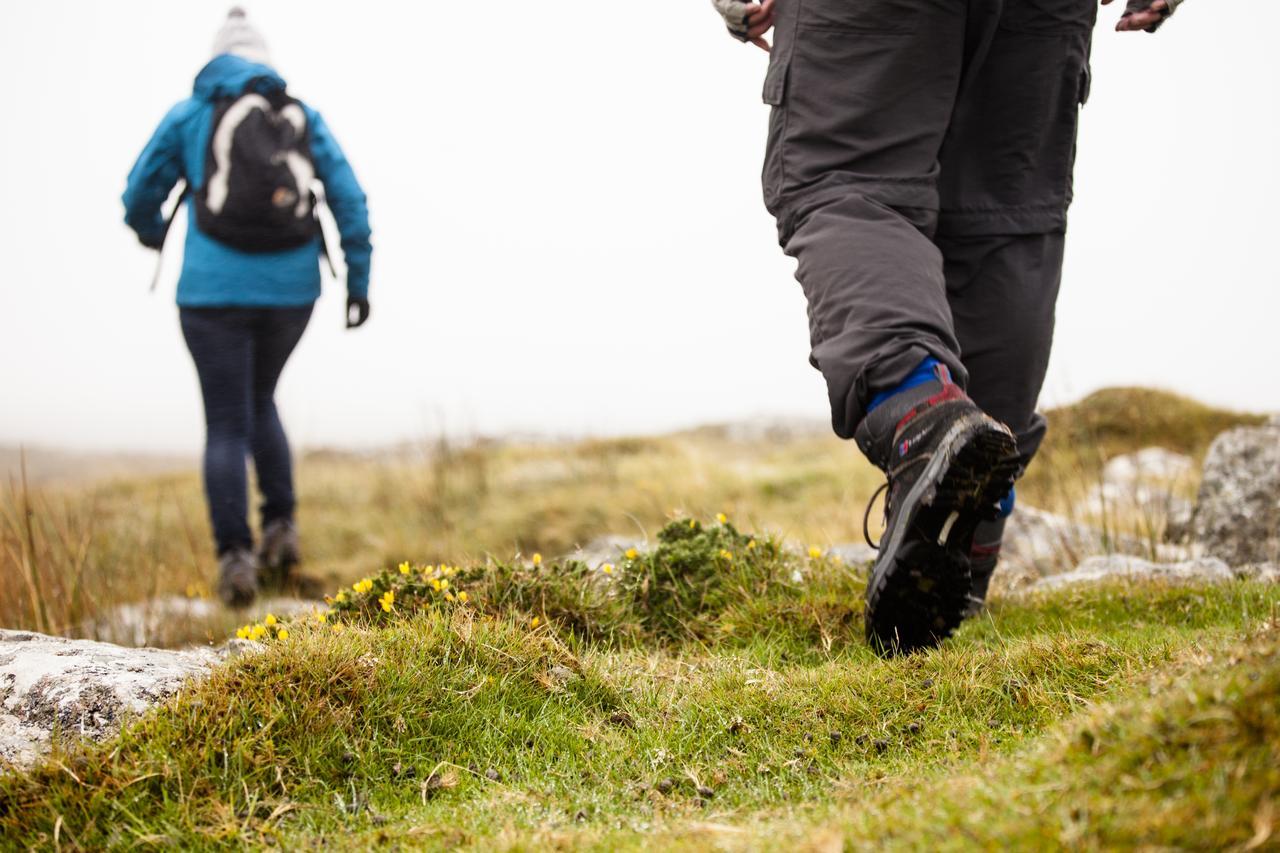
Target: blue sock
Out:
[1007,502]
[922,374]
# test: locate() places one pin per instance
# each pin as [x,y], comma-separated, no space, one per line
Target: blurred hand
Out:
[747,22]
[155,242]
[357,311]
[759,22]
[1145,15]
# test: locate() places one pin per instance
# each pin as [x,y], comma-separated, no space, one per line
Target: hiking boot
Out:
[278,553]
[984,554]
[237,577]
[948,465]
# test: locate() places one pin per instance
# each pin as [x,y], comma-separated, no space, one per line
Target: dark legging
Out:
[239,354]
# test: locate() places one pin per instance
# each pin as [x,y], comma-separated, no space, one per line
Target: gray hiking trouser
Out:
[919,167]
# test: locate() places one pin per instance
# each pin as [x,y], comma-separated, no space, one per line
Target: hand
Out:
[747,22]
[759,22]
[152,241]
[357,311]
[1144,14]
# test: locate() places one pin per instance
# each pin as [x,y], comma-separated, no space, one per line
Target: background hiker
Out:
[250,155]
[919,166]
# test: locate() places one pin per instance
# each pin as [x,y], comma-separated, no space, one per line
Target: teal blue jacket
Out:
[213,273]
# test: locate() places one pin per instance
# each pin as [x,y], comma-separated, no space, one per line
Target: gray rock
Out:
[1237,515]
[854,553]
[1149,479]
[606,549]
[1038,544]
[175,619]
[1120,566]
[80,688]
[1150,463]
[1261,572]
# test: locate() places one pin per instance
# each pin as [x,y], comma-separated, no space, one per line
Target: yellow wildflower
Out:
[721,517]
[435,584]
[322,616]
[537,559]
[282,634]
[270,621]
[535,622]
[257,632]
[339,627]
[387,600]
[693,524]
[448,596]
[815,552]
[444,584]
[751,546]
[405,568]
[462,596]
[341,597]
[242,633]
[726,555]
[631,554]
[607,568]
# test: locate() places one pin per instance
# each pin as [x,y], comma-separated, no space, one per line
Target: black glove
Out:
[152,241]
[1143,5]
[357,311]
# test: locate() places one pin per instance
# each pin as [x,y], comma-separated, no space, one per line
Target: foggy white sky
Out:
[568,230]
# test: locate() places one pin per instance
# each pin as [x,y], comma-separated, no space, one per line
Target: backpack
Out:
[257,194]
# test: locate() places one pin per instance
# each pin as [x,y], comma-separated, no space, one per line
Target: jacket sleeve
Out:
[347,201]
[152,178]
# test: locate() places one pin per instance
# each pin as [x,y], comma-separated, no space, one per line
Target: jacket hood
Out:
[227,75]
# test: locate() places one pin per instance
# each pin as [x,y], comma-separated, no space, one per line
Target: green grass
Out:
[442,724]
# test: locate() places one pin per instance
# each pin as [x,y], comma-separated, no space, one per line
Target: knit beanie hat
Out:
[238,37]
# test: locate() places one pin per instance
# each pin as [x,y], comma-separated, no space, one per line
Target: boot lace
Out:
[866,515]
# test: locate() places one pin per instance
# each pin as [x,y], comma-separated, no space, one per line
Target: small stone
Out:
[736,726]
[705,792]
[666,786]
[493,775]
[835,738]
[622,719]
[995,724]
[580,816]
[914,728]
[881,745]
[927,683]
[348,757]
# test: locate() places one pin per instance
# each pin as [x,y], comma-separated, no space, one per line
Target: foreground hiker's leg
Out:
[862,95]
[1006,185]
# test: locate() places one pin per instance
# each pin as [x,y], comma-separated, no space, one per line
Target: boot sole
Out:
[918,592]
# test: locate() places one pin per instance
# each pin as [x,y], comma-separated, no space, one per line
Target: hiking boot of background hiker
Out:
[237,577]
[278,553]
[949,465]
